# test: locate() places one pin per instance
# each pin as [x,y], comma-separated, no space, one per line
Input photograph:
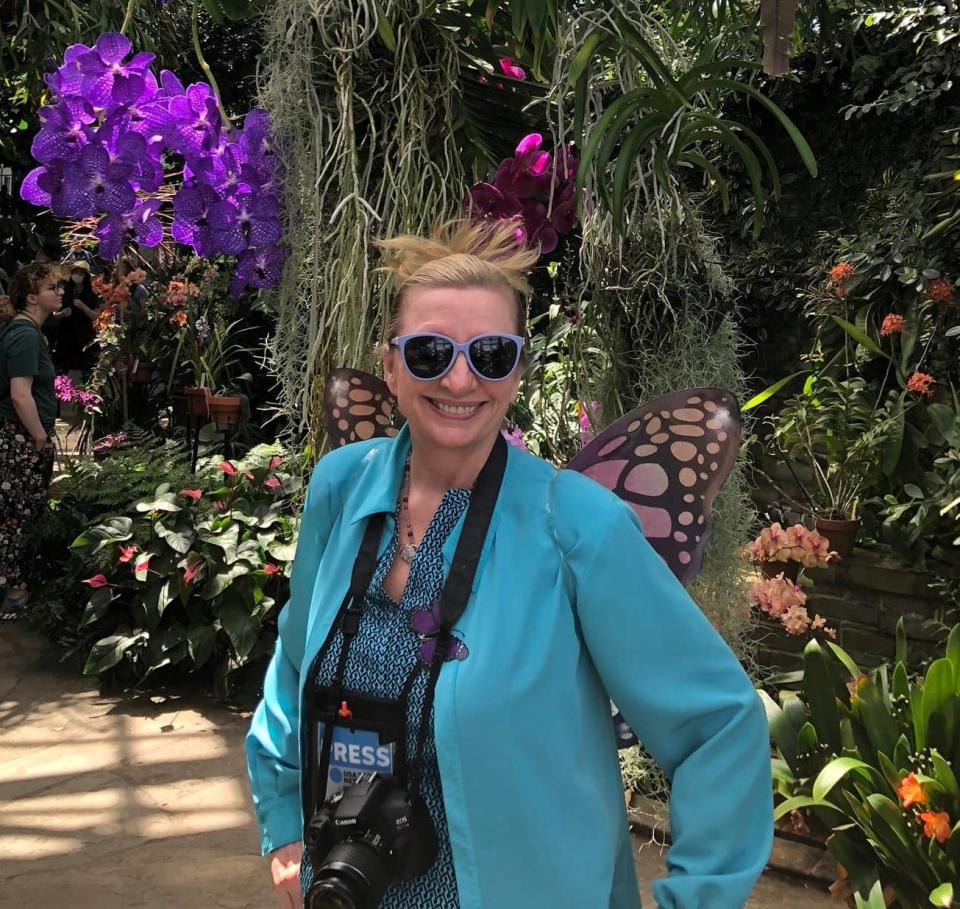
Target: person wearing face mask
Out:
[28,412]
[74,349]
[461,614]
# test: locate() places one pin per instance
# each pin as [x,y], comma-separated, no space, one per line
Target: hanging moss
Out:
[367,136]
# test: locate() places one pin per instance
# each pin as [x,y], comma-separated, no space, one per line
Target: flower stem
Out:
[128,18]
[227,122]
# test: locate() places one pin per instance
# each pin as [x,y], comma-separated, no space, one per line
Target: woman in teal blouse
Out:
[570,608]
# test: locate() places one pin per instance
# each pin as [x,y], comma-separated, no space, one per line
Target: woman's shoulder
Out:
[571,499]
[342,465]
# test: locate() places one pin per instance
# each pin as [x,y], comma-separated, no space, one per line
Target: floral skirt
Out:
[24,479]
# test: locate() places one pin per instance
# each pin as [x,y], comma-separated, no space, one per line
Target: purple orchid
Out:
[260,268]
[141,224]
[511,69]
[197,119]
[426,623]
[484,200]
[93,184]
[66,81]
[245,221]
[108,81]
[191,222]
[66,130]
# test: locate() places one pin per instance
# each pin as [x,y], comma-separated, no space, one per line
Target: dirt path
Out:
[109,803]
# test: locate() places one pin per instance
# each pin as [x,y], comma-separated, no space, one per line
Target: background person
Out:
[28,410]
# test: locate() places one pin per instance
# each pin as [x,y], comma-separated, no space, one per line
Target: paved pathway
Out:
[109,803]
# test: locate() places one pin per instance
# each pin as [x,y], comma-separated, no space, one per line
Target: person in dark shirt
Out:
[74,348]
[28,412]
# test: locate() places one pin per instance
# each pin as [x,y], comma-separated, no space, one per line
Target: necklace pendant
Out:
[407,552]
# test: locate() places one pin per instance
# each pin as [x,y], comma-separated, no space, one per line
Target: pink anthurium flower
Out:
[272,483]
[192,570]
[511,69]
[142,565]
[270,568]
[194,494]
[228,468]
[249,475]
[219,505]
[127,553]
[275,462]
[97,581]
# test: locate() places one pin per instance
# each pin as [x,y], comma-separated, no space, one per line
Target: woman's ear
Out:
[388,361]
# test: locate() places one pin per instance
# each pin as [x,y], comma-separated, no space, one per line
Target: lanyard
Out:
[453,602]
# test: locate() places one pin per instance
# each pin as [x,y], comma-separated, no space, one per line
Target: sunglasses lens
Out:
[427,356]
[494,356]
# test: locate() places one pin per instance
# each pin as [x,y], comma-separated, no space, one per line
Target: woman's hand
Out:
[41,442]
[285,870]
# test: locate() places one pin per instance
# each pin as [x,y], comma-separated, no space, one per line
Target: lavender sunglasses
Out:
[430,355]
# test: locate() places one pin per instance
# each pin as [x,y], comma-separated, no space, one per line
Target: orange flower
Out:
[936,824]
[104,318]
[911,791]
[841,272]
[179,318]
[941,290]
[892,325]
[921,383]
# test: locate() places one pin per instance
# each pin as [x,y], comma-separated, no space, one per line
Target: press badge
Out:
[354,753]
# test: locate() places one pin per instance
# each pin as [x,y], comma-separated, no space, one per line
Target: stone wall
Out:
[863,597]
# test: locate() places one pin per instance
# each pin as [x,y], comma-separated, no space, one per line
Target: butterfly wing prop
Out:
[668,459]
[356,405]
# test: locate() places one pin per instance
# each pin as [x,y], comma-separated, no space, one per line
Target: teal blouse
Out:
[570,608]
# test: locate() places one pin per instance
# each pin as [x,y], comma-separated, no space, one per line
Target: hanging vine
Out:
[361,94]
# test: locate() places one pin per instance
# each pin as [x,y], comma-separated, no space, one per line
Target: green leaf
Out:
[384,28]
[200,641]
[107,652]
[942,896]
[241,628]
[953,652]
[801,801]
[282,552]
[228,541]
[939,706]
[874,901]
[179,537]
[165,502]
[821,696]
[946,421]
[155,600]
[846,659]
[113,530]
[782,732]
[893,442]
[836,770]
[581,60]
[223,579]
[801,144]
[98,606]
[767,393]
[861,337]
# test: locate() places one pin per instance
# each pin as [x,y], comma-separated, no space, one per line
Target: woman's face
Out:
[460,313]
[77,277]
[50,295]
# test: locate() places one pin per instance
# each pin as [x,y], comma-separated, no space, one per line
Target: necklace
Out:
[409,549]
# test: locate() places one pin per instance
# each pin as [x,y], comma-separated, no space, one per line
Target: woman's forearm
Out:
[26,409]
[91,314]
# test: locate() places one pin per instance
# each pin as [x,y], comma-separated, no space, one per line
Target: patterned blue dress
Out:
[381,657]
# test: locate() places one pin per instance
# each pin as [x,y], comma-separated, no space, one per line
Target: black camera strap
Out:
[453,602]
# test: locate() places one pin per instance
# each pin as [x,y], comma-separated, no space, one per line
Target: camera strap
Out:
[454,598]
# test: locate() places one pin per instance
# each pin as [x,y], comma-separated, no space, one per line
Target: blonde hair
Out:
[460,253]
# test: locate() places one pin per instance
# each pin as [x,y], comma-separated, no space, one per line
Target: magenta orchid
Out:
[534,188]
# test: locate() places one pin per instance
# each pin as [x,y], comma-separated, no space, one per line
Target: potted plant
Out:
[830,438]
[214,357]
[871,760]
[784,551]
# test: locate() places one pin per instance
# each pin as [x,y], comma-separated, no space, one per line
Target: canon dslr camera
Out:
[363,839]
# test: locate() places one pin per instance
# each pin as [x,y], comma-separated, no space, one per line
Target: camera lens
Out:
[353,876]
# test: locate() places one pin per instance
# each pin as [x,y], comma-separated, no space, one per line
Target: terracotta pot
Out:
[841,534]
[224,409]
[195,402]
[142,371]
[791,569]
